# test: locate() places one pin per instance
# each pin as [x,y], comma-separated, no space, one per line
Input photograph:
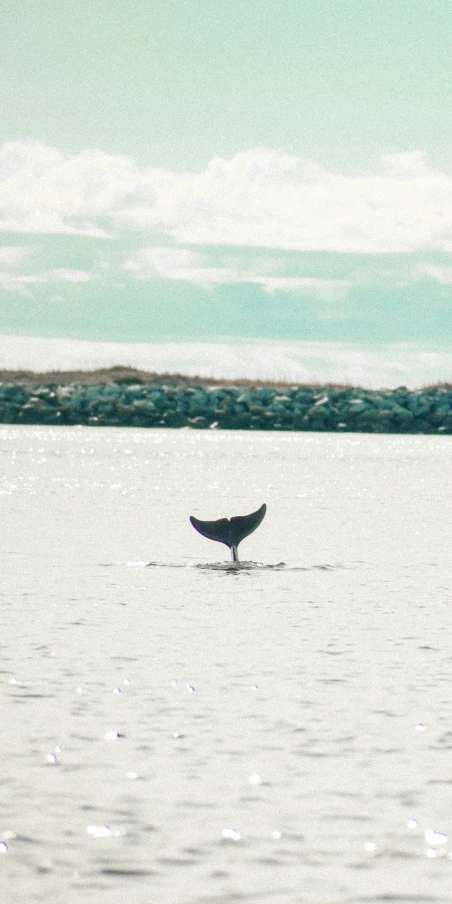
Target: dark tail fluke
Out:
[230,531]
[244,525]
[214,530]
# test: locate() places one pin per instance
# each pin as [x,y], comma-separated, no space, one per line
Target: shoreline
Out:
[127,397]
[124,374]
[120,374]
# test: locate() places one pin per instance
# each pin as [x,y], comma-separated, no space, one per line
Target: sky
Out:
[217,170]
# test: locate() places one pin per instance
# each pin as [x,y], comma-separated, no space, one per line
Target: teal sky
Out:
[191,169]
[176,82]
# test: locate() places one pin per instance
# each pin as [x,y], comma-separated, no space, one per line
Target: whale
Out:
[230,531]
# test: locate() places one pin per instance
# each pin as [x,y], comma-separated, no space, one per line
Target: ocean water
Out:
[182,731]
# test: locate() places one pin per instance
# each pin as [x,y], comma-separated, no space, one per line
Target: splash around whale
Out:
[230,531]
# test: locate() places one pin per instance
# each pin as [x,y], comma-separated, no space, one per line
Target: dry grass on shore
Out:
[120,374]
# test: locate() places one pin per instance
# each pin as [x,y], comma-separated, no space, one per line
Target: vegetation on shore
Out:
[121,374]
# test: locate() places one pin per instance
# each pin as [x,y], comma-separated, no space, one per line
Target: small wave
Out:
[238,566]
[224,566]
[261,566]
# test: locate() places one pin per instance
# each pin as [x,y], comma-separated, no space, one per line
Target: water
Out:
[187,732]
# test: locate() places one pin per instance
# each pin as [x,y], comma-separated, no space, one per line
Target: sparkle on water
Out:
[347,644]
[433,837]
[255,778]
[231,834]
[99,831]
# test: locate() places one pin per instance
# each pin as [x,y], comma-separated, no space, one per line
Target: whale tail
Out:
[230,531]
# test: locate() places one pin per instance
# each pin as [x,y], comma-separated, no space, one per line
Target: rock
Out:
[228,407]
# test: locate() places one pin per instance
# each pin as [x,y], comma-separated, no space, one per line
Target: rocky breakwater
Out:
[172,404]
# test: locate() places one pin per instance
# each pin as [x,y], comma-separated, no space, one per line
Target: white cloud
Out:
[62,274]
[407,165]
[263,198]
[326,289]
[186,265]
[177,264]
[41,191]
[440,274]
[260,198]
[13,255]
[20,282]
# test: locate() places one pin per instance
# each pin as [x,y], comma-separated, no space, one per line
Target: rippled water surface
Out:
[181,731]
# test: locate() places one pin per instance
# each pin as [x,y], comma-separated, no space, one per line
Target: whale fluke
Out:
[230,531]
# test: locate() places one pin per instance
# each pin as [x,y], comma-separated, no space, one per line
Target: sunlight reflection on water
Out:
[283,733]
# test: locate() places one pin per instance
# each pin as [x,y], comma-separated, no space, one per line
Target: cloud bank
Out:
[264,244]
[261,198]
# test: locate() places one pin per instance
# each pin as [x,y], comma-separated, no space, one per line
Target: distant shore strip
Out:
[124,398]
